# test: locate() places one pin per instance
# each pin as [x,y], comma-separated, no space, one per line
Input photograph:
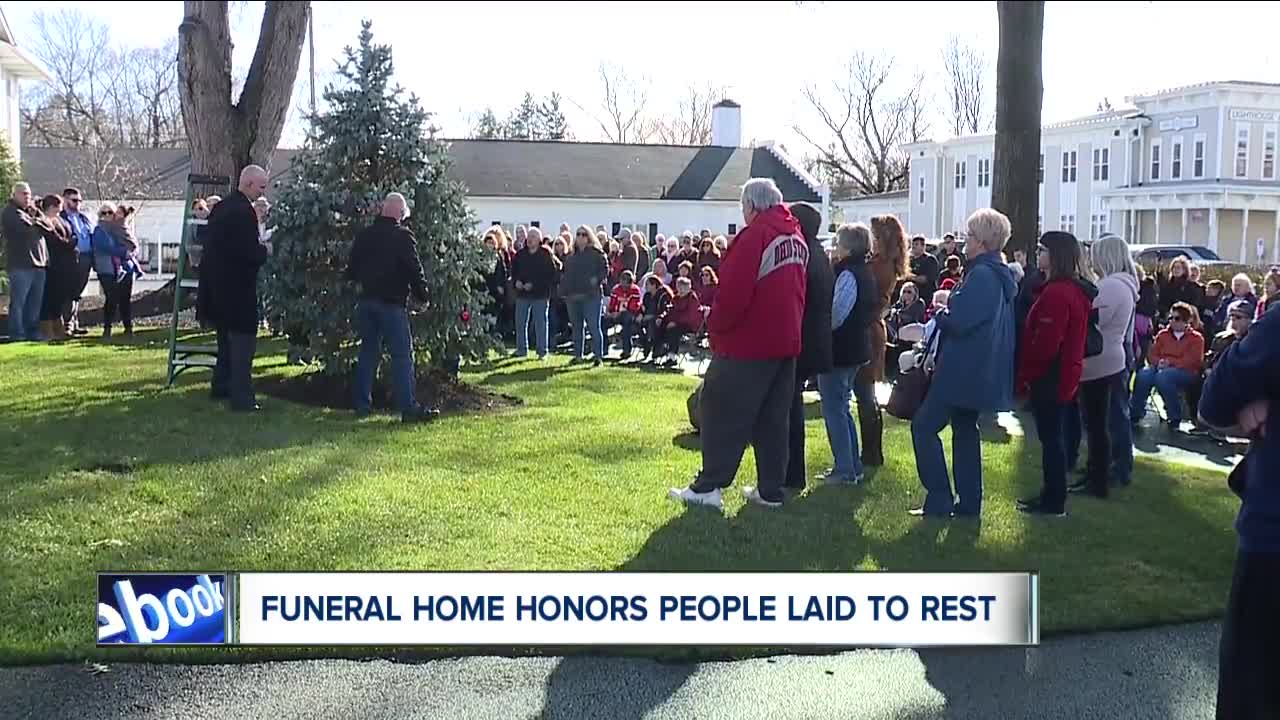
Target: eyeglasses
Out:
[74,201]
[585,235]
[105,213]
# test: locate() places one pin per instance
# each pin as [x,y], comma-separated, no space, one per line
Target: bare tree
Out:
[622,104]
[868,124]
[690,124]
[966,70]
[226,133]
[112,174]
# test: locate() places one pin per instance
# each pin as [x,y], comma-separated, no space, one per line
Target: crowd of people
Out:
[52,248]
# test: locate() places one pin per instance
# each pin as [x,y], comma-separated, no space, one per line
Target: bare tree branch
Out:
[691,123]
[622,103]
[967,105]
[867,124]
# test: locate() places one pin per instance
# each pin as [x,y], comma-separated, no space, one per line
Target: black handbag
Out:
[911,387]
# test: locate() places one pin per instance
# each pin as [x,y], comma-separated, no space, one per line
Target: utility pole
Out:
[311,39]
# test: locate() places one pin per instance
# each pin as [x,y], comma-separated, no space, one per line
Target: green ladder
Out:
[188,355]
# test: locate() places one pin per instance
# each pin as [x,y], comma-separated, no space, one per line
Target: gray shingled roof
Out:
[508,168]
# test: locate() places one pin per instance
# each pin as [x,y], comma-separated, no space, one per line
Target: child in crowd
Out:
[683,317]
[624,309]
[940,299]
[120,225]
[657,298]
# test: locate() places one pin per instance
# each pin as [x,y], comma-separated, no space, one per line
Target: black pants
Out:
[233,373]
[1249,658]
[119,300]
[746,402]
[797,478]
[1049,413]
[1095,396]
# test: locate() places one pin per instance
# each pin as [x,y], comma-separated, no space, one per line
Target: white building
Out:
[1193,165]
[15,65]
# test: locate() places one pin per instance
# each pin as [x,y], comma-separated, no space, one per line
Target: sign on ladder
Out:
[184,355]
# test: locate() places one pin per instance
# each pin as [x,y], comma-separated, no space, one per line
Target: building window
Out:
[1242,151]
[921,189]
[1155,160]
[984,172]
[1269,153]
[1101,164]
[733,228]
[1197,156]
[496,223]
[617,228]
[1068,166]
[1097,225]
[1040,172]
[653,231]
[535,223]
[1175,159]
[961,171]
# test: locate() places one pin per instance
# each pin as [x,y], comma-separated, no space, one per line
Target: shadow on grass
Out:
[1222,453]
[688,441]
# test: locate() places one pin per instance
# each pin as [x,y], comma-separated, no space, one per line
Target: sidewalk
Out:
[1162,674]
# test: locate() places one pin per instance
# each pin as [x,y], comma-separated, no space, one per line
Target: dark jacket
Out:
[905,315]
[237,256]
[385,264]
[1220,317]
[61,243]
[538,268]
[656,303]
[926,266]
[495,280]
[24,245]
[815,327]
[974,368]
[1180,290]
[1249,370]
[584,274]
[1148,298]
[1028,290]
[851,342]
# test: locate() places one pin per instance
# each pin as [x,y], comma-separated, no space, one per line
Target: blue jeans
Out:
[966,457]
[586,310]
[1169,383]
[537,309]
[376,321]
[26,292]
[835,388]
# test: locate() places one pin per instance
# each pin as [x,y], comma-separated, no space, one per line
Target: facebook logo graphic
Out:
[145,609]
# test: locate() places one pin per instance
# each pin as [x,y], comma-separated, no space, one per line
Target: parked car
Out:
[1160,255]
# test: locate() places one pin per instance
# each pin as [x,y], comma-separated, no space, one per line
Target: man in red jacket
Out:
[755,338]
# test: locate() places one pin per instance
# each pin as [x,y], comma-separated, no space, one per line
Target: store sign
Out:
[1255,115]
[1180,123]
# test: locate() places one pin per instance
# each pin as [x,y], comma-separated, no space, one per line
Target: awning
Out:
[21,64]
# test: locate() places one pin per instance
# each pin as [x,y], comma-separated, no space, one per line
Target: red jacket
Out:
[1055,330]
[628,298]
[684,311]
[758,311]
[707,294]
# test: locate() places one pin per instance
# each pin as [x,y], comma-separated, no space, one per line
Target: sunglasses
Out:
[585,235]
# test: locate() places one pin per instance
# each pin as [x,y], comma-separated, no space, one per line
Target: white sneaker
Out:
[831,478]
[753,495]
[687,495]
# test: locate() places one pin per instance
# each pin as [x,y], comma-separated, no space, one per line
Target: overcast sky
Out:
[459,57]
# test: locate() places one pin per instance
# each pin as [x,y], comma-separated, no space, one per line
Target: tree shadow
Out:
[1223,453]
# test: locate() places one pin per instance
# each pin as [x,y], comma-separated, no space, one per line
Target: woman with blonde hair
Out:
[888,265]
[1179,287]
[585,272]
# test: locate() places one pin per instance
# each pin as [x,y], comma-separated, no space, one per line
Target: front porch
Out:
[1242,224]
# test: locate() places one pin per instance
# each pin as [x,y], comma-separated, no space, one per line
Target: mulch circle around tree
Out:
[436,389]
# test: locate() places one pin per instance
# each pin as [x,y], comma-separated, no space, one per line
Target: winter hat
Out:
[1240,306]
[808,217]
[948,284]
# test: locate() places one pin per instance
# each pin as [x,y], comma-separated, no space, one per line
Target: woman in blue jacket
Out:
[111,243]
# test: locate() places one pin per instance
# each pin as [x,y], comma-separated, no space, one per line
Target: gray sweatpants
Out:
[746,402]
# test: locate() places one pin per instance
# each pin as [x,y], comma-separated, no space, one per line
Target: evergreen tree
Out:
[373,141]
[552,124]
[523,121]
[487,127]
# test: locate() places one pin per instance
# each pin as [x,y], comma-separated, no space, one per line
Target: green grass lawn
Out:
[576,479]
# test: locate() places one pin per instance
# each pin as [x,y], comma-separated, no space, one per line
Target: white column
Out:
[1275,250]
[1213,229]
[1157,240]
[1244,238]
[1184,227]
[1133,226]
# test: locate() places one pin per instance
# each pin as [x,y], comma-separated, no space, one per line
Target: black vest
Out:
[850,343]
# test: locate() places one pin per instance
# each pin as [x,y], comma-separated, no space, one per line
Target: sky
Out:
[460,57]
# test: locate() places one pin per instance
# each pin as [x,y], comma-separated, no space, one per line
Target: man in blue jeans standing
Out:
[533,272]
[385,265]
[28,257]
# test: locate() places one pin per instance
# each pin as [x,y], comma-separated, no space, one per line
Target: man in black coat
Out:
[385,264]
[237,254]
[815,335]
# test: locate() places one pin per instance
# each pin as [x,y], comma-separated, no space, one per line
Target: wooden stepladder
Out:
[188,355]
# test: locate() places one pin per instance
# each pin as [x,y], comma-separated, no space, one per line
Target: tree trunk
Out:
[225,136]
[1019,96]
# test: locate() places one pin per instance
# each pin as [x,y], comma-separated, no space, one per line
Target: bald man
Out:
[386,268]
[234,251]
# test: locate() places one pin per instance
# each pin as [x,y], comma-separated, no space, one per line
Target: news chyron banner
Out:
[871,609]
[164,609]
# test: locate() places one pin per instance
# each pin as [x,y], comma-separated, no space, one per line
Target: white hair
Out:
[854,238]
[534,234]
[20,186]
[1241,277]
[1110,255]
[990,228]
[760,194]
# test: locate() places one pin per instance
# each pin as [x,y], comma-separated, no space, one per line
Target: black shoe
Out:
[1028,502]
[1078,486]
[595,363]
[420,415]
[79,331]
[1039,508]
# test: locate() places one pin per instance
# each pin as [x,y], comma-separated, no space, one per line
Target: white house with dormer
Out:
[16,65]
